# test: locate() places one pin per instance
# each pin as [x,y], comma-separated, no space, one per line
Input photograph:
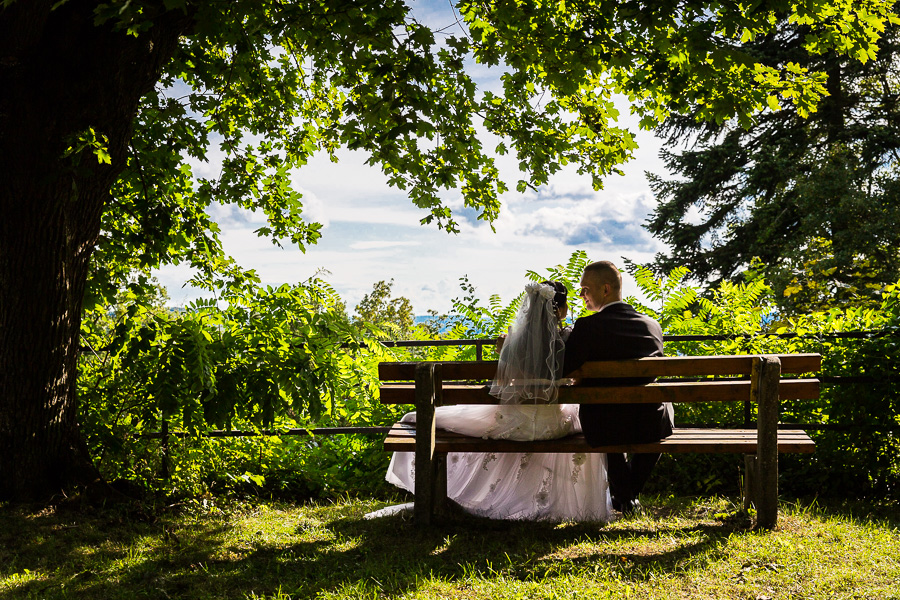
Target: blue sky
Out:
[372,232]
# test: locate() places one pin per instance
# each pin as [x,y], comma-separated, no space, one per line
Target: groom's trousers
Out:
[627,477]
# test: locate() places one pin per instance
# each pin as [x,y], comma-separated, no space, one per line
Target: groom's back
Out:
[617,332]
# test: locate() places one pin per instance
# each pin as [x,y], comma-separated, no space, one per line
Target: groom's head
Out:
[601,284]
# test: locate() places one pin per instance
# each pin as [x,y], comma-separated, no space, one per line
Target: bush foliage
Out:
[288,358]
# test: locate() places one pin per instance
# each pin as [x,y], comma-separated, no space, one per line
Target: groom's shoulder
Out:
[616,316]
[634,314]
[595,322]
[588,320]
[615,311]
[626,310]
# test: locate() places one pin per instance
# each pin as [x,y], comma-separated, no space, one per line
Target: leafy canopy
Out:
[262,85]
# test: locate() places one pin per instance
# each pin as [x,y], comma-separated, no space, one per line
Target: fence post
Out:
[164,433]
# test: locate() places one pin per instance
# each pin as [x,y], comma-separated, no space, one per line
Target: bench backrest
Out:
[457,380]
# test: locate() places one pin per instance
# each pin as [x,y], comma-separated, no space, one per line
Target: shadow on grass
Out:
[130,553]
[463,547]
[884,514]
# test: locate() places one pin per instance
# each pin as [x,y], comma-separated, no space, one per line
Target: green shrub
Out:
[289,357]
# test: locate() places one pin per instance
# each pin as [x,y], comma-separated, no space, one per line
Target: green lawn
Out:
[680,549]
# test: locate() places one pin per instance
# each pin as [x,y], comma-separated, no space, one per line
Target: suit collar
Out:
[611,304]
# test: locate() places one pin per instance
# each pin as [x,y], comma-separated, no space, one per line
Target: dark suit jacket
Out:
[617,332]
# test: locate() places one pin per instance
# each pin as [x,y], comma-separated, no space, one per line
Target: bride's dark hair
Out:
[561,297]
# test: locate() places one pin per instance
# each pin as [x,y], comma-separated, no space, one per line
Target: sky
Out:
[371,232]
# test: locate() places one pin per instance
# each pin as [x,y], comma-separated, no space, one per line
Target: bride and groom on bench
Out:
[537,353]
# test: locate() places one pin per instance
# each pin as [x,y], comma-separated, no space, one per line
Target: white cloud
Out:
[373,230]
[380,244]
[314,210]
[230,216]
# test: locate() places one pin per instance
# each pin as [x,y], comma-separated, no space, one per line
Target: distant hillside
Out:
[428,318]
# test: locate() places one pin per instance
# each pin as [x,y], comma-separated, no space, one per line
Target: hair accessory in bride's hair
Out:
[561,297]
[546,291]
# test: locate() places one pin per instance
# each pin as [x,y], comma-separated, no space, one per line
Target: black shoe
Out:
[632,507]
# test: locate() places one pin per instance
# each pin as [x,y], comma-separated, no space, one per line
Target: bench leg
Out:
[425,457]
[769,375]
[431,491]
[424,498]
[750,483]
[440,484]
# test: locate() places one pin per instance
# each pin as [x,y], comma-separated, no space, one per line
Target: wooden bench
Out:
[752,379]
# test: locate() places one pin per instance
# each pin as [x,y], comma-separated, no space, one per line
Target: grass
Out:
[681,548]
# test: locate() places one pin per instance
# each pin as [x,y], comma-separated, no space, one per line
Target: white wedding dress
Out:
[525,486]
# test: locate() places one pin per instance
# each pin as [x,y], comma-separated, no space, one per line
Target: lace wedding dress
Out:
[526,486]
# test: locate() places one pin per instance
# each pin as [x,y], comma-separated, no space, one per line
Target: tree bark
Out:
[61,75]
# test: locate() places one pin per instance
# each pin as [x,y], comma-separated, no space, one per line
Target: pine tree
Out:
[791,185]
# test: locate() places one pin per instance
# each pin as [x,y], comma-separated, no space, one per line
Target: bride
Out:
[526,486]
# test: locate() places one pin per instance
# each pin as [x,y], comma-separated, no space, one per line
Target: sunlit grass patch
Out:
[17,579]
[691,548]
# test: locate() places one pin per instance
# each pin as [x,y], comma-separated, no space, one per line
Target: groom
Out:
[617,331]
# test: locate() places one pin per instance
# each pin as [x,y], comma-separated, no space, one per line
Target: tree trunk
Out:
[44,253]
[61,75]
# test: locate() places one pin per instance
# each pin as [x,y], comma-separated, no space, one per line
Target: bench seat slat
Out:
[402,439]
[667,391]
